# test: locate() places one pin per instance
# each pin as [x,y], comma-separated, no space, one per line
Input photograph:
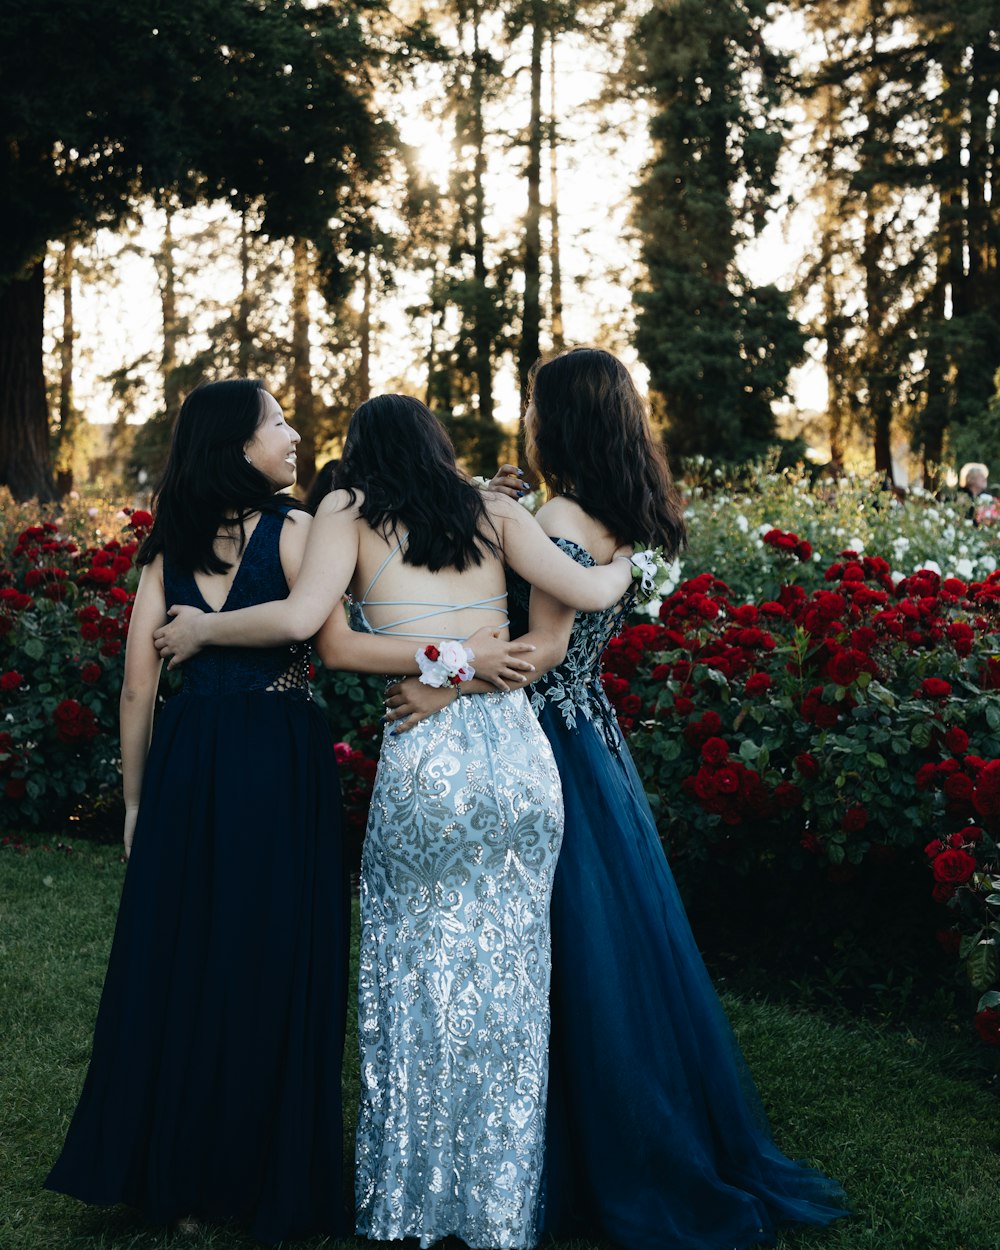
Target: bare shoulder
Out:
[153,571]
[292,546]
[501,507]
[339,502]
[564,518]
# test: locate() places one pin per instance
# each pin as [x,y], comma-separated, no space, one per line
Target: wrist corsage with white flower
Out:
[650,569]
[446,664]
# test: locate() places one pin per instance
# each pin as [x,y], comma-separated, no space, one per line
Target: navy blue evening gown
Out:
[214,1083]
[656,1136]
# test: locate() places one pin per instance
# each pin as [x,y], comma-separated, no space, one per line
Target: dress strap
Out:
[382,567]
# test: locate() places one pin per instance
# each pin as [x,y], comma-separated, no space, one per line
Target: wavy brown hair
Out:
[592,442]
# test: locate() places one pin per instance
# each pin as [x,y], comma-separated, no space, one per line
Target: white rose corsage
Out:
[446,664]
[650,570]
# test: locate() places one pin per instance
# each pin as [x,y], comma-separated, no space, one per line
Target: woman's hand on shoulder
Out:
[509,480]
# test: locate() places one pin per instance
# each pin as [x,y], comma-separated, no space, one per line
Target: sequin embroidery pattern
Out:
[461,846]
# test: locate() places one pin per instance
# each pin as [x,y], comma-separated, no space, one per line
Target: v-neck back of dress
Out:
[258,579]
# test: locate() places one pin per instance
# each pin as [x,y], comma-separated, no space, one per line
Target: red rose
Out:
[683,707]
[934,848]
[660,672]
[953,867]
[89,631]
[854,819]
[757,683]
[15,789]
[942,892]
[806,766]
[727,781]
[631,705]
[804,550]
[959,788]
[809,842]
[112,647]
[988,1025]
[788,794]
[66,711]
[341,752]
[935,688]
[715,751]
[140,520]
[956,740]
[11,680]
[925,776]
[961,637]
[90,673]
[949,940]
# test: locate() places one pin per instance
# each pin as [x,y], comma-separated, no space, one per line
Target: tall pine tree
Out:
[719,349]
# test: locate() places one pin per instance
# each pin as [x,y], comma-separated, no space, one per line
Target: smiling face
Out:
[272,448]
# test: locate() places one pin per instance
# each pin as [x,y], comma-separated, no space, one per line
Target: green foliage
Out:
[206,98]
[727,515]
[718,348]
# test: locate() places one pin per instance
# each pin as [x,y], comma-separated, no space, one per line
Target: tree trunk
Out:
[24,412]
[303,400]
[482,330]
[532,318]
[558,341]
[364,368]
[63,449]
[244,345]
[171,330]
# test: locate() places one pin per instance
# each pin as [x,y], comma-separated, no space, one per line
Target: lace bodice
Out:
[259,579]
[574,686]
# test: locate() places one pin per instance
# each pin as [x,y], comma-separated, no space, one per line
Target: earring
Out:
[248,460]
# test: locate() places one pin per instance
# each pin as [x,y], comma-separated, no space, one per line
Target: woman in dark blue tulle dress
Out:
[656,1136]
[214,1086]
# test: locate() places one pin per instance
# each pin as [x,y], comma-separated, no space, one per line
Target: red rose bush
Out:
[841,726]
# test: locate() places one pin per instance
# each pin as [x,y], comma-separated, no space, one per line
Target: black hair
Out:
[398,454]
[208,480]
[321,485]
[592,442]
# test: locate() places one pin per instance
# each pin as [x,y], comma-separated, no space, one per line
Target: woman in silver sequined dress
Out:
[463,834]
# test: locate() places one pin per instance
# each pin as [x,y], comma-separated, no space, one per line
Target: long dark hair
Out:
[208,480]
[592,441]
[321,486]
[398,454]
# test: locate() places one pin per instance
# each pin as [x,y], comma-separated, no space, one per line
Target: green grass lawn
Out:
[908,1126]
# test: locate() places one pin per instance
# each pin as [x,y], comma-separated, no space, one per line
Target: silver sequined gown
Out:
[456,876]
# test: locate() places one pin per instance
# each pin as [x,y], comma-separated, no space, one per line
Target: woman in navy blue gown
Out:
[656,1136]
[214,1085]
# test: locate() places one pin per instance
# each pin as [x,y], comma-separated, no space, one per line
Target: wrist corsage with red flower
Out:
[446,664]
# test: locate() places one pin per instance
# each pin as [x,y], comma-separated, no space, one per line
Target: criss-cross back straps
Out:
[436,608]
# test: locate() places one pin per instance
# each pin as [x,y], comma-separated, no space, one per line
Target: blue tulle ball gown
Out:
[656,1136]
[214,1084]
